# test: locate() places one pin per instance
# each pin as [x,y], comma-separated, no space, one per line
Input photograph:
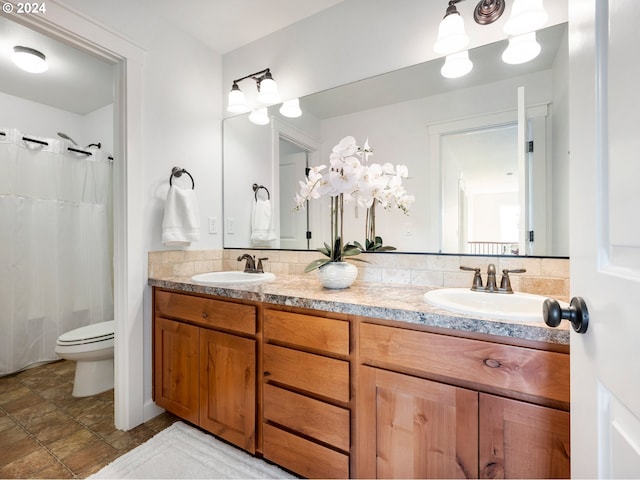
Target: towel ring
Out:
[257,187]
[177,172]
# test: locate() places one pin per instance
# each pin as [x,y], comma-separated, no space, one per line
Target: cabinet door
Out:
[176,368]
[228,387]
[521,440]
[409,427]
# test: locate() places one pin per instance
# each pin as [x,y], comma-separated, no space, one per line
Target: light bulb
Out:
[521,49]
[268,91]
[259,116]
[237,102]
[291,108]
[456,65]
[526,16]
[451,35]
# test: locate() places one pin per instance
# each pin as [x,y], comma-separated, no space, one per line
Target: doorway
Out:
[64,25]
[295,233]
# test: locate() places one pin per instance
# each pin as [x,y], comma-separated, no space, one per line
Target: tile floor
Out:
[47,433]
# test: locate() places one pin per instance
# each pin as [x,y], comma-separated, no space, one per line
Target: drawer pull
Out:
[492,363]
[205,315]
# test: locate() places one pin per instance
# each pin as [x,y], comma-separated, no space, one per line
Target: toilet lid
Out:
[91,333]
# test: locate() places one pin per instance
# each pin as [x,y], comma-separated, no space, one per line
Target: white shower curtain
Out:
[55,245]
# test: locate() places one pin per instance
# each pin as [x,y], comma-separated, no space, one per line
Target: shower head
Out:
[67,137]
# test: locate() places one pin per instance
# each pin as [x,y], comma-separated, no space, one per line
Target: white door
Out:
[605,236]
[293,224]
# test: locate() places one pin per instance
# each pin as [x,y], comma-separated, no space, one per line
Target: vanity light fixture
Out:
[267,92]
[526,17]
[291,108]
[29,59]
[451,35]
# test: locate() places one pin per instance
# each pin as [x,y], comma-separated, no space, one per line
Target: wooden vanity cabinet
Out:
[436,406]
[204,353]
[306,393]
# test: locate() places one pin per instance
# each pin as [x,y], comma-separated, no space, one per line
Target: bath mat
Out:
[181,451]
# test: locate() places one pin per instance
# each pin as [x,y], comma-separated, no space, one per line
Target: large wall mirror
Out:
[487,156]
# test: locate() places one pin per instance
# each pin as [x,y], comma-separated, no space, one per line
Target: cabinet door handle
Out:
[267,374]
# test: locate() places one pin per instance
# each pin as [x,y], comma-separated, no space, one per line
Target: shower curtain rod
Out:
[42,142]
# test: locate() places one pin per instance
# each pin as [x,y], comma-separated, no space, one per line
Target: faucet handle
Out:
[505,283]
[477,278]
[260,268]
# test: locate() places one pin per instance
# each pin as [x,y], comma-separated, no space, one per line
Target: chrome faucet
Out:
[492,286]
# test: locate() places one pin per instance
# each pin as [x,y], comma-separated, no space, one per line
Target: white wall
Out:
[33,118]
[181,126]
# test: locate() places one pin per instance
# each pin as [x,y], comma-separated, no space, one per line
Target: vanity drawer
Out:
[308,372]
[206,311]
[312,418]
[308,331]
[303,456]
[507,368]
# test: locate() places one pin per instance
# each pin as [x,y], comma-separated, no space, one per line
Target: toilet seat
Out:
[97,332]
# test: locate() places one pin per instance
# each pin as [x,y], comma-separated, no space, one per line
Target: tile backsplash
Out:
[544,276]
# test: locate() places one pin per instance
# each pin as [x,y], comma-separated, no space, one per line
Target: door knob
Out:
[577,313]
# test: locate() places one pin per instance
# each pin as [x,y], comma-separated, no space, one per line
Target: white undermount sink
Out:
[517,306]
[232,277]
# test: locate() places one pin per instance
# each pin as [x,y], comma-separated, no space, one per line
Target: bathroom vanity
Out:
[366,382]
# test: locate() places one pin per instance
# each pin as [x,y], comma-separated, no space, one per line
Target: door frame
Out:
[435,131]
[66,25]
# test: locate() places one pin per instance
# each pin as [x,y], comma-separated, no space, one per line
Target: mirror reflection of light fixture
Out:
[291,108]
[29,59]
[451,34]
[521,49]
[259,116]
[526,16]
[456,65]
[267,92]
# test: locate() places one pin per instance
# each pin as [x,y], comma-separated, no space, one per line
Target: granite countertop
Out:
[402,303]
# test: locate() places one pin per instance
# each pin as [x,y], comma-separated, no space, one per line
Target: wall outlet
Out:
[231,225]
[213,225]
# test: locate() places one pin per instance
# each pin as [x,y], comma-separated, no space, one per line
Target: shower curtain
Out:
[55,245]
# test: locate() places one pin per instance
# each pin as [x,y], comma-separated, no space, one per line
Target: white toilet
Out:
[91,347]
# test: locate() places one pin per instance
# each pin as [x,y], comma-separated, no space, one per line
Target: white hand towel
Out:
[181,224]
[262,222]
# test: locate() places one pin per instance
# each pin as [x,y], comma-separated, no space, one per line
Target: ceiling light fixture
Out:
[29,59]
[267,92]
